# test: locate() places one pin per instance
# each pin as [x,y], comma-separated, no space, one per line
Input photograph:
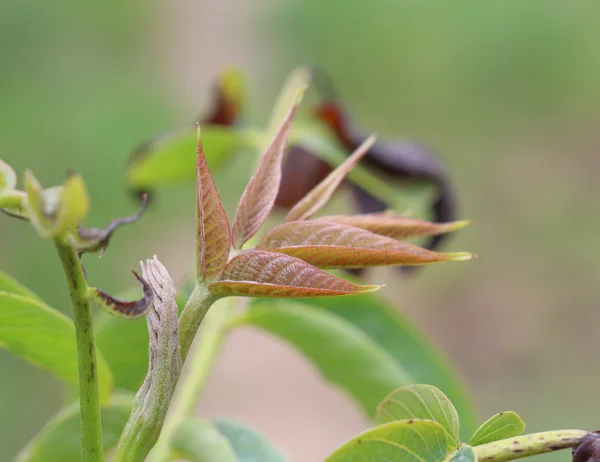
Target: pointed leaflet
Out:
[320,194]
[258,198]
[503,425]
[396,226]
[421,402]
[257,273]
[333,245]
[213,236]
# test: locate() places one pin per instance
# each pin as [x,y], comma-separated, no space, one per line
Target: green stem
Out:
[529,445]
[200,365]
[192,315]
[89,400]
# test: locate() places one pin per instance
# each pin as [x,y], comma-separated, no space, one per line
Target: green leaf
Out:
[46,338]
[464,454]
[199,441]
[407,344]
[421,402]
[503,425]
[8,178]
[171,158]
[405,440]
[248,444]
[344,355]
[59,439]
[8,284]
[124,343]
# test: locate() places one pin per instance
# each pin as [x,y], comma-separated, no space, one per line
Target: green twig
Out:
[529,445]
[200,364]
[192,315]
[91,428]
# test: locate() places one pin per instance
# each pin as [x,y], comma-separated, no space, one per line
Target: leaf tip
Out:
[461,256]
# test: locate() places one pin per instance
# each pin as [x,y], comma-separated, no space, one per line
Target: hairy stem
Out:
[192,315]
[529,445]
[89,400]
[201,361]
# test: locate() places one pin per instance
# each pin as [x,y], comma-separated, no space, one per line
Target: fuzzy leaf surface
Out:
[248,444]
[400,337]
[405,441]
[46,338]
[503,425]
[343,354]
[421,402]
[59,439]
[257,273]
[213,236]
[259,196]
[320,194]
[333,245]
[395,226]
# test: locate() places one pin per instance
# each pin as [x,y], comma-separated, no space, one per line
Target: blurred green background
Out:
[507,91]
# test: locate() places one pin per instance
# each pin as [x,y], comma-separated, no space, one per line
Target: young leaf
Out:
[59,439]
[464,454]
[320,194]
[259,196]
[405,440]
[333,245]
[421,402]
[343,354]
[8,178]
[199,441]
[248,444]
[395,226]
[56,210]
[213,236]
[44,337]
[122,308]
[503,425]
[257,273]
[396,334]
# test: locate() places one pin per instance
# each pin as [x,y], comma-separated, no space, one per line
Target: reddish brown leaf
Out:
[122,308]
[257,273]
[320,194]
[213,236]
[258,198]
[396,226]
[333,245]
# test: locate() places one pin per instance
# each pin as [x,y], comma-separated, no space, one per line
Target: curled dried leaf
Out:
[213,235]
[333,245]
[259,196]
[320,194]
[93,239]
[257,273]
[125,309]
[394,225]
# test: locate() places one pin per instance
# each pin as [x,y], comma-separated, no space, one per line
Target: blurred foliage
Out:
[508,92]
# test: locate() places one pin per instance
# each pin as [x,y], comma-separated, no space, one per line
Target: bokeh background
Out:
[507,91]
